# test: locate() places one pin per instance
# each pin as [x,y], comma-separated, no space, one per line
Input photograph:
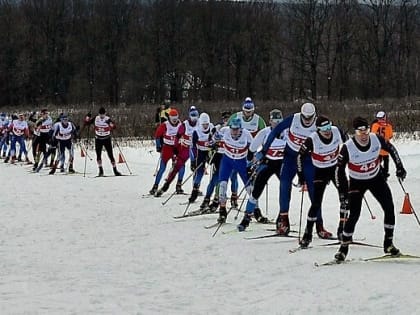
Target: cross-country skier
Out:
[322,146]
[103,126]
[360,154]
[300,126]
[270,165]
[64,132]
[236,141]
[201,146]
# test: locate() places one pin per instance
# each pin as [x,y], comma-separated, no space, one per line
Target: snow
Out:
[85,245]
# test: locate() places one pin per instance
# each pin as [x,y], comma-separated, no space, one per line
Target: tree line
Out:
[135,52]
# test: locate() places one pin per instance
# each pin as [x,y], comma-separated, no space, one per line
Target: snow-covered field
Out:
[85,245]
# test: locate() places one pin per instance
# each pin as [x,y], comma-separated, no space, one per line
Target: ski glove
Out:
[193,165]
[301,179]
[401,172]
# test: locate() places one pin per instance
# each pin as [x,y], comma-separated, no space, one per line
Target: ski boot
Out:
[116,173]
[214,205]
[53,169]
[222,215]
[283,224]
[194,194]
[71,169]
[306,239]
[244,223]
[160,192]
[179,189]
[389,247]
[322,232]
[35,166]
[101,171]
[259,217]
[154,189]
[205,204]
[341,255]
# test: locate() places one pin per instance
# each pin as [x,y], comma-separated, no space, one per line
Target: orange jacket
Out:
[383,129]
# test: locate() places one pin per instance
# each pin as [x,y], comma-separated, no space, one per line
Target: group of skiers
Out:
[48,135]
[304,144]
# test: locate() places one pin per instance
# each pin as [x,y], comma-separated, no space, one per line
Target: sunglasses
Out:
[325,128]
[362,131]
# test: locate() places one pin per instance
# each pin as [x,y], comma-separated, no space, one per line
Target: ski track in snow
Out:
[78,245]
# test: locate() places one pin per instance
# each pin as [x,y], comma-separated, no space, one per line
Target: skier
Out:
[167,142]
[64,131]
[4,134]
[236,141]
[251,122]
[19,131]
[103,125]
[41,137]
[201,146]
[217,155]
[300,126]
[266,168]
[361,156]
[322,146]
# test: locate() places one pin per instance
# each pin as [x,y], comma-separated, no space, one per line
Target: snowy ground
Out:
[85,245]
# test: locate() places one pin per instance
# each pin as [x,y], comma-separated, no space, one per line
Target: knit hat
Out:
[173,113]
[322,121]
[360,123]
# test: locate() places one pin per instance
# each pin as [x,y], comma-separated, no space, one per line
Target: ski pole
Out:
[266,199]
[412,209]
[251,178]
[373,217]
[157,167]
[185,180]
[221,223]
[84,169]
[300,215]
[125,160]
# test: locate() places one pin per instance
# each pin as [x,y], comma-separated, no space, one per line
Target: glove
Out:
[193,165]
[301,179]
[401,172]
[250,167]
[259,156]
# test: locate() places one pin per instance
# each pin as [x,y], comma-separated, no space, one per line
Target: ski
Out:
[389,257]
[212,225]
[333,262]
[299,248]
[275,230]
[356,242]
[270,236]
[97,176]
[193,214]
